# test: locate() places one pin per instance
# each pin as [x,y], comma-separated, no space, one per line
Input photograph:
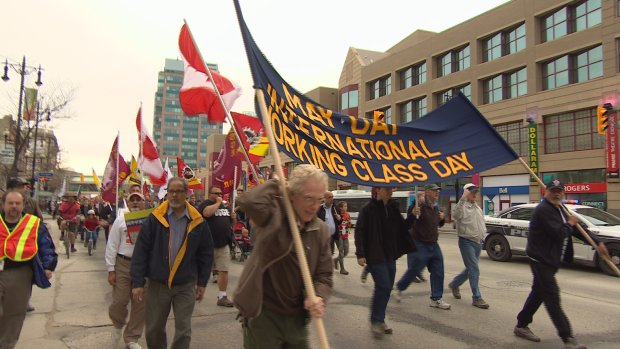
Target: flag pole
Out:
[299,249]
[234,192]
[141,156]
[118,141]
[217,92]
[583,232]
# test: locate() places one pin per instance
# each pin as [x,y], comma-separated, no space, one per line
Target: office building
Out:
[544,64]
[175,133]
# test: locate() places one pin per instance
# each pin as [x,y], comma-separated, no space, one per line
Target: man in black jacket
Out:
[333,220]
[381,237]
[175,252]
[428,219]
[548,244]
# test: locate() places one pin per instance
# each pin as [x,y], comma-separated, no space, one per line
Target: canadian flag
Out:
[197,93]
[149,158]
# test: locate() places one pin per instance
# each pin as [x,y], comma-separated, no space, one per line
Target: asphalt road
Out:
[73,313]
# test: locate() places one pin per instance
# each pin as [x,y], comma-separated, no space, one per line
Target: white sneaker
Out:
[133,345]
[117,333]
[398,295]
[440,304]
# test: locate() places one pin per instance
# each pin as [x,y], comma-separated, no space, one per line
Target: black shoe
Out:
[73,250]
[30,308]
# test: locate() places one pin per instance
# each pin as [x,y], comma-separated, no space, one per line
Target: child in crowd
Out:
[92,225]
[343,230]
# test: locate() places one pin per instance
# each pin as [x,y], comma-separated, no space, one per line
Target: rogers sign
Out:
[584,188]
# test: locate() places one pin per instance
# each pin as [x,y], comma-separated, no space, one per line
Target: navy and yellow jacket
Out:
[151,254]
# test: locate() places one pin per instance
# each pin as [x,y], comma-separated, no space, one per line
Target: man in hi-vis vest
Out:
[26,256]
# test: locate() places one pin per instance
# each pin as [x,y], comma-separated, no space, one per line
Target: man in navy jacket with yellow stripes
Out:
[175,252]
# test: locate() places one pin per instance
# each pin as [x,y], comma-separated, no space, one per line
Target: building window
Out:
[387,116]
[171,134]
[444,96]
[453,61]
[381,87]
[203,163]
[174,79]
[412,110]
[516,135]
[505,86]
[413,75]
[572,131]
[573,68]
[571,19]
[349,98]
[504,43]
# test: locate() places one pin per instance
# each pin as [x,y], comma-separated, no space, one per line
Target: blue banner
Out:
[453,141]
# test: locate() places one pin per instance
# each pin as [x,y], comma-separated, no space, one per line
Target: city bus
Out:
[356,199]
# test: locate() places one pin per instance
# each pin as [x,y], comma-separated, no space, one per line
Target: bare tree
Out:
[52,103]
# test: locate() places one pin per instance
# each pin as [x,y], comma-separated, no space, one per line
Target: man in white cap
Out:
[470,228]
[118,253]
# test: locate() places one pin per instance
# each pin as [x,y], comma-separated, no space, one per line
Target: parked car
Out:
[507,233]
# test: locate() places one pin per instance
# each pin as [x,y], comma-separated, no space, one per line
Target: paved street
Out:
[74,312]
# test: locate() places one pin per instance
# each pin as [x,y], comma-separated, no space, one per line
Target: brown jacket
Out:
[273,242]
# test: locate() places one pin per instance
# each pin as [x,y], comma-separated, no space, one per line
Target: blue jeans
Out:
[470,251]
[383,274]
[94,234]
[428,255]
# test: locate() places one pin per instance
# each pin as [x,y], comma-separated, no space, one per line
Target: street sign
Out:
[7,154]
[46,174]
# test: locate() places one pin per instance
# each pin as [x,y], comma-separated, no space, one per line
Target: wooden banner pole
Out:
[301,254]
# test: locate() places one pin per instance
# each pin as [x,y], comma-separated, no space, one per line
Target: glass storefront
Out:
[594,199]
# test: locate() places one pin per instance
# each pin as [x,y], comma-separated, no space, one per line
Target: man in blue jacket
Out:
[548,244]
[175,252]
[27,255]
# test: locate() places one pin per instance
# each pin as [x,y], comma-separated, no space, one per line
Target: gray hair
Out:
[178,179]
[301,174]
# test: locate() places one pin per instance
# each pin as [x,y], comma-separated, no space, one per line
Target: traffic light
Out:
[379,116]
[602,118]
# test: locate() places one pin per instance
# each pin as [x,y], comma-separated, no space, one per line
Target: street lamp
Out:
[36,135]
[22,70]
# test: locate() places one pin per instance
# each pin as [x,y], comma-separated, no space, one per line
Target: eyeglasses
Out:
[309,200]
[179,191]
[218,193]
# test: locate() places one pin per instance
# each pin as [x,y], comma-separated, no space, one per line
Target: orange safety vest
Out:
[20,245]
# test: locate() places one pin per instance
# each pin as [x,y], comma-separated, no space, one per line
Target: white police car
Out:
[507,234]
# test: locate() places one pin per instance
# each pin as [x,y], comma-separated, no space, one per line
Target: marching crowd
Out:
[183,243]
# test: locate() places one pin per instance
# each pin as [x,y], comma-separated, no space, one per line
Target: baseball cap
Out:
[91,212]
[15,182]
[135,194]
[471,187]
[555,183]
[432,186]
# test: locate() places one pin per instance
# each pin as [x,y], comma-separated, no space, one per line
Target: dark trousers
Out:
[545,290]
[334,242]
[271,330]
[159,300]
[383,274]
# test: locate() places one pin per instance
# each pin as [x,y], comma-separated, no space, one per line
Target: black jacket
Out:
[426,228]
[335,211]
[547,234]
[381,232]
[152,250]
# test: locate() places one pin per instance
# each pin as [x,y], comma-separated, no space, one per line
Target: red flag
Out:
[224,167]
[110,176]
[197,93]
[148,159]
[187,173]
[252,135]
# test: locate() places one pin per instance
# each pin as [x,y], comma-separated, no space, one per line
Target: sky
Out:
[110,52]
